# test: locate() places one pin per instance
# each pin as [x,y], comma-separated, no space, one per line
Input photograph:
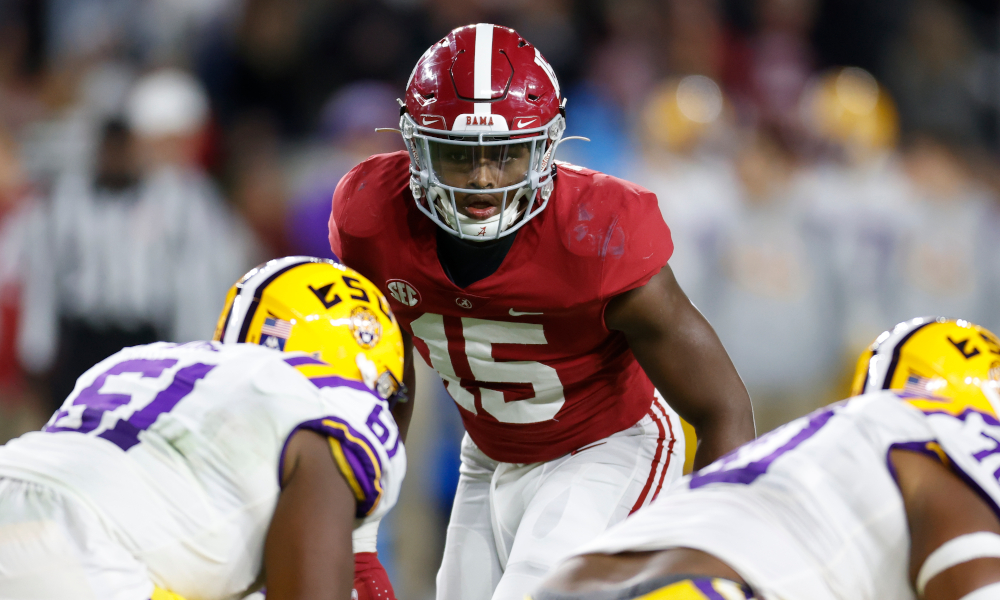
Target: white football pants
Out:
[511,523]
[53,547]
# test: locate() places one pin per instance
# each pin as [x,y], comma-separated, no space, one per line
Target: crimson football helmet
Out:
[482,98]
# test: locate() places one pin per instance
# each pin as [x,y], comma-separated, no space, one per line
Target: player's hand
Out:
[371,582]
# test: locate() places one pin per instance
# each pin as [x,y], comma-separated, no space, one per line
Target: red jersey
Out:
[523,352]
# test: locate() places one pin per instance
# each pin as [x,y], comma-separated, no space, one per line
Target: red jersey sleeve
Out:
[341,197]
[638,245]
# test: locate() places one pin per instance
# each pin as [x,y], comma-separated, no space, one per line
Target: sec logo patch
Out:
[403,292]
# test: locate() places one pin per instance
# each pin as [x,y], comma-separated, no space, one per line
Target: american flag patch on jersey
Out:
[274,333]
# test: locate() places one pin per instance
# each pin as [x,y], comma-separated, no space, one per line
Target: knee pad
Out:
[669,587]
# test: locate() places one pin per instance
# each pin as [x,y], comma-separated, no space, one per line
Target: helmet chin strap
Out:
[486,229]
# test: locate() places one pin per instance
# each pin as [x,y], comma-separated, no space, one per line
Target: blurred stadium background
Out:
[827,167]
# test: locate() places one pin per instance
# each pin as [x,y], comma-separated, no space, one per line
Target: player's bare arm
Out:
[403,411]
[308,549]
[940,507]
[685,360]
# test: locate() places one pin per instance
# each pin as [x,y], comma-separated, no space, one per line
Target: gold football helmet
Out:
[849,106]
[321,307]
[944,358]
[681,113]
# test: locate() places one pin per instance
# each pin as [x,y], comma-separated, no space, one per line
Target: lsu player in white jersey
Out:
[205,470]
[890,495]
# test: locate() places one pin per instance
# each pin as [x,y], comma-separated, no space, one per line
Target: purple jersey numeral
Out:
[747,472]
[125,433]
[381,430]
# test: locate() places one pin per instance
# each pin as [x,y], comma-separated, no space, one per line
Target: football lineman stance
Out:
[208,469]
[890,495]
[539,292]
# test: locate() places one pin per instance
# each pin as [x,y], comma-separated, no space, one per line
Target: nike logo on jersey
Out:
[520,123]
[517,313]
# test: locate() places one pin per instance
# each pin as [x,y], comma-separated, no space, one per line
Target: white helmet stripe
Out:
[250,290]
[482,76]
[885,357]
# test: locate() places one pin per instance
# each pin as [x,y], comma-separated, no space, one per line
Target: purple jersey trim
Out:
[297,361]
[751,471]
[918,447]
[357,451]
[921,448]
[963,415]
[957,470]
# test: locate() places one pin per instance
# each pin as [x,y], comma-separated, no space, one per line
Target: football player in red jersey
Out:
[540,292]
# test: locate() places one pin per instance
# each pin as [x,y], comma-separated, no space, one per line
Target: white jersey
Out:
[178,449]
[811,511]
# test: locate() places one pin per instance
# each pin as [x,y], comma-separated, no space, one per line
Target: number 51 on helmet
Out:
[323,308]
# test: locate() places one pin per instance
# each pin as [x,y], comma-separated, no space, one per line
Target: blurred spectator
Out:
[550,22]
[695,39]
[768,72]
[155,31]
[78,102]
[285,58]
[19,410]
[947,263]
[138,248]
[259,66]
[258,182]
[348,136]
[771,294]
[20,80]
[857,194]
[684,127]
[931,71]
[619,75]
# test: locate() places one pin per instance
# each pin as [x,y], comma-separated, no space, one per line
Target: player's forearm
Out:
[307,552]
[716,440]
[685,360]
[700,382]
[705,388]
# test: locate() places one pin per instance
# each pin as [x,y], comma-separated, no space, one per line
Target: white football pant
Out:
[53,547]
[511,523]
